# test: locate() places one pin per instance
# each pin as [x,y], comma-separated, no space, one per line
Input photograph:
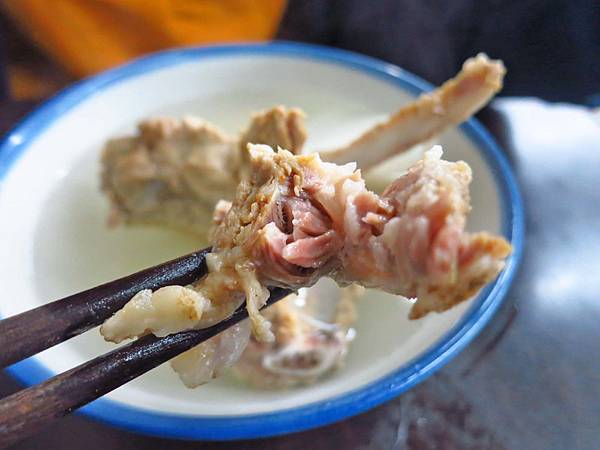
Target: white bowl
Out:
[53,239]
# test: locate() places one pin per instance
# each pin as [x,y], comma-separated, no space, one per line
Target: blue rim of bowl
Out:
[30,371]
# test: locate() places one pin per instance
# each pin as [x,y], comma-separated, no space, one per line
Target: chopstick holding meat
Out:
[312,219]
[298,219]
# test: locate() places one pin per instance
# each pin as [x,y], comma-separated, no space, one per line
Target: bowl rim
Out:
[181,426]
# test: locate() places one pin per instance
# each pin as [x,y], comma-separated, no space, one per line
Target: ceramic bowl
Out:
[53,238]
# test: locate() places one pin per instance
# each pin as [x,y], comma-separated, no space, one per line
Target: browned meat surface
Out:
[432,113]
[174,171]
[276,127]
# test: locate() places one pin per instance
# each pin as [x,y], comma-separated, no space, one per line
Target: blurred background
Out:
[551,47]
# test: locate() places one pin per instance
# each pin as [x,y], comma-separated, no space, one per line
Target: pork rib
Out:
[299,219]
[172,172]
[449,105]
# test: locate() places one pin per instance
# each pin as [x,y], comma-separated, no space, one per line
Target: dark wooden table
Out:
[531,379]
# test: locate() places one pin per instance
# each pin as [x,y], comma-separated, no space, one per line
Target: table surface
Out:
[531,379]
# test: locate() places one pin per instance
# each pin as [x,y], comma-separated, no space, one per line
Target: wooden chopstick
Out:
[32,331]
[25,412]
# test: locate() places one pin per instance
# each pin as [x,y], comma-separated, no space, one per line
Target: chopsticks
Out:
[32,331]
[25,412]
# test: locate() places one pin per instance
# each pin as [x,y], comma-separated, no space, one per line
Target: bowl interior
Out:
[54,240]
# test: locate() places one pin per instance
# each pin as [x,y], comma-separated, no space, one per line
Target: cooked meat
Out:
[298,219]
[174,171]
[432,113]
[167,310]
[307,346]
[171,173]
[276,127]
[213,357]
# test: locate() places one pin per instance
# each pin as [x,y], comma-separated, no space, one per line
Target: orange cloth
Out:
[87,36]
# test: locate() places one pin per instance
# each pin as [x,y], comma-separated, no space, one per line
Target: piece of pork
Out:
[212,358]
[312,332]
[431,114]
[275,127]
[165,311]
[174,171]
[299,219]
